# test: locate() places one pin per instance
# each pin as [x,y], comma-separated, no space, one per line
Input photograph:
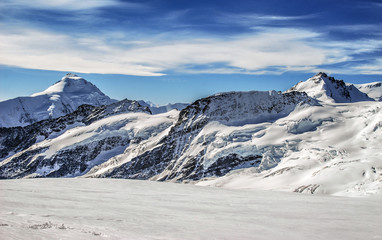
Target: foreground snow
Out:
[128,209]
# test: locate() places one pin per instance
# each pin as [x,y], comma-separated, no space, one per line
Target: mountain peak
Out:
[328,89]
[68,84]
[62,98]
[70,75]
[321,74]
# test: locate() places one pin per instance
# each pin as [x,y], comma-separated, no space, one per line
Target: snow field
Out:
[126,209]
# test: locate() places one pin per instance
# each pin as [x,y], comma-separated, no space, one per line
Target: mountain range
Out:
[321,136]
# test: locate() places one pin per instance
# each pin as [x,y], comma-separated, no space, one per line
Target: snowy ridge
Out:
[60,99]
[175,157]
[327,89]
[240,108]
[373,90]
[156,109]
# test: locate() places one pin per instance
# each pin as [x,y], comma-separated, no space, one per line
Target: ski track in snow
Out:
[129,209]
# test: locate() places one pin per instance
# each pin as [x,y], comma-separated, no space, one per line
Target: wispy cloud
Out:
[282,49]
[61,4]
[257,19]
[71,5]
[49,51]
[374,67]
[370,29]
[370,4]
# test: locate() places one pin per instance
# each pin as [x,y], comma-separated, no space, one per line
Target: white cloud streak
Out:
[282,49]
[48,51]
[256,19]
[374,68]
[66,4]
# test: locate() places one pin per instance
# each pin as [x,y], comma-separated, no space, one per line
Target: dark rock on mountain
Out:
[16,139]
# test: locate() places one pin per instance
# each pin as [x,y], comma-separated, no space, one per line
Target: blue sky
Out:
[178,51]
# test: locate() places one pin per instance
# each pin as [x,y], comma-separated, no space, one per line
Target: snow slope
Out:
[327,89]
[330,149]
[373,90]
[60,99]
[126,209]
[16,139]
[78,149]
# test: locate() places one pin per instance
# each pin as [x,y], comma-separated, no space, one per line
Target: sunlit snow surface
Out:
[128,209]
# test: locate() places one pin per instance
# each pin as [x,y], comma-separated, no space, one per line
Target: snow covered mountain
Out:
[156,109]
[325,141]
[148,146]
[60,99]
[373,90]
[327,89]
